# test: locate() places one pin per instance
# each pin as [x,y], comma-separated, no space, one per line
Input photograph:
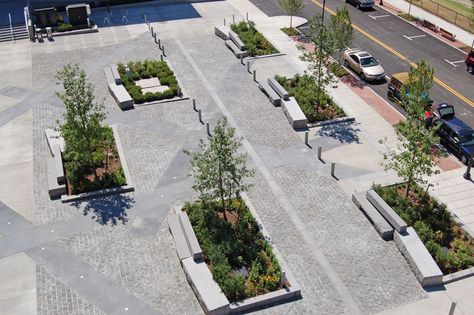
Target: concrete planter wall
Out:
[55,141]
[208,292]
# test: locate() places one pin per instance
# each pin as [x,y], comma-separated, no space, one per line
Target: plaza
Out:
[115,254]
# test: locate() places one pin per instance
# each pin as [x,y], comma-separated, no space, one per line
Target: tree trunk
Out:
[291,21]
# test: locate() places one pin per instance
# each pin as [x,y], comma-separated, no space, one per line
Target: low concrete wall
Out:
[381,225]
[388,213]
[295,115]
[419,259]
[463,274]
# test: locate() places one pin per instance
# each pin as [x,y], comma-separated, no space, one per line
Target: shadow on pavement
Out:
[346,132]
[108,209]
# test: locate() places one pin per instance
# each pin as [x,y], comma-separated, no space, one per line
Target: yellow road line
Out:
[402,57]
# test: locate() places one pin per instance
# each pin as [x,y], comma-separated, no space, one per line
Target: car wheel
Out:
[390,96]
[346,63]
[470,69]
[362,76]
[464,159]
[358,6]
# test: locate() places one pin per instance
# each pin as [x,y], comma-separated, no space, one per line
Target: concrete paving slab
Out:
[7,102]
[17,285]
[17,140]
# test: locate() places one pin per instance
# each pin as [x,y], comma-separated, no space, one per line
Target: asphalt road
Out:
[385,37]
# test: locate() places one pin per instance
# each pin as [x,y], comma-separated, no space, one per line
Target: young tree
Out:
[414,158]
[291,7]
[82,129]
[341,31]
[322,38]
[219,169]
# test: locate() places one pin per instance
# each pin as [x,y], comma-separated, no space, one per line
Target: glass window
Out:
[369,62]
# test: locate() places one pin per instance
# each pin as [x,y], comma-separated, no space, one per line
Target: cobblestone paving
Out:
[148,155]
[373,270]
[147,267]
[54,298]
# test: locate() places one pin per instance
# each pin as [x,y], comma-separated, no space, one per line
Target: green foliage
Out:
[291,7]
[145,70]
[409,17]
[303,88]
[450,246]
[227,248]
[342,32]
[337,69]
[65,27]
[414,158]
[290,31]
[89,144]
[256,44]
[219,170]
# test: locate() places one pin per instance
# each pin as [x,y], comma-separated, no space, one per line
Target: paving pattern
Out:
[127,241]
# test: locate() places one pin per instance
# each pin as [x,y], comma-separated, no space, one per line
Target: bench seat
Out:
[222,31]
[381,225]
[278,88]
[270,92]
[55,190]
[121,96]
[236,40]
[237,52]
[295,115]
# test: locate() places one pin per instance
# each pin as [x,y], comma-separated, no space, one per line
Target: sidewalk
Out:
[461,35]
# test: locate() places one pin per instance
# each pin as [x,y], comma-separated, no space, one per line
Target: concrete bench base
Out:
[419,259]
[237,52]
[278,89]
[236,40]
[386,211]
[222,31]
[381,225]
[295,115]
[272,95]
[54,137]
[121,96]
[115,74]
[55,190]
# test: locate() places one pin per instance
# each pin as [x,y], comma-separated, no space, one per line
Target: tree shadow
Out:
[108,209]
[345,132]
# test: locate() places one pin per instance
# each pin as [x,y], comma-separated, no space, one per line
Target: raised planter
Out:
[331,122]
[208,292]
[382,227]
[93,29]
[295,115]
[58,190]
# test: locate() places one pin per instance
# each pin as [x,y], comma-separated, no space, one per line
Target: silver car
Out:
[361,62]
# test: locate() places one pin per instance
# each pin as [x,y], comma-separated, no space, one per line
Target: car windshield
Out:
[467,139]
[369,62]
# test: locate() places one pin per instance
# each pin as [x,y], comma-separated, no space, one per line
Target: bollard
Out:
[200,116]
[161,57]
[208,128]
[233,18]
[154,35]
[320,150]
[178,91]
[159,43]
[163,49]
[333,167]
[255,75]
[224,22]
[306,135]
[194,105]
[451,309]
[156,42]
[151,29]
[248,66]
[247,16]
[242,59]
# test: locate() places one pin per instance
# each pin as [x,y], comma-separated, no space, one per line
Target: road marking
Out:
[378,16]
[402,57]
[453,63]
[411,37]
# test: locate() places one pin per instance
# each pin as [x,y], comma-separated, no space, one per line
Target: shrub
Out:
[290,31]
[149,96]
[337,70]
[65,27]
[423,231]
[167,94]
[256,43]
[409,17]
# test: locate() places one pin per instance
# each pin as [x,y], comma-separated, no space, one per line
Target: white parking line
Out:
[378,16]
[411,37]
[453,63]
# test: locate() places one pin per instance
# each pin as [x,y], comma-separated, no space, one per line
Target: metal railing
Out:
[445,13]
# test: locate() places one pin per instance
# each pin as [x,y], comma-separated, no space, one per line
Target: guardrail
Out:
[445,13]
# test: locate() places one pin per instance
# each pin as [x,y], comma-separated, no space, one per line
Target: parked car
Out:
[362,4]
[395,85]
[455,135]
[470,62]
[361,62]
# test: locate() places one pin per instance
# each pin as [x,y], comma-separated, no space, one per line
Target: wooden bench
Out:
[278,88]
[447,34]
[381,225]
[386,211]
[295,115]
[270,92]
[236,40]
[430,26]
[121,96]
[237,52]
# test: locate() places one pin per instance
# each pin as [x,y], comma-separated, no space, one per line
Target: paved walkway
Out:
[461,34]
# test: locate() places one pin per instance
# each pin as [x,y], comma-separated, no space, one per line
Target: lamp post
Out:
[467,175]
